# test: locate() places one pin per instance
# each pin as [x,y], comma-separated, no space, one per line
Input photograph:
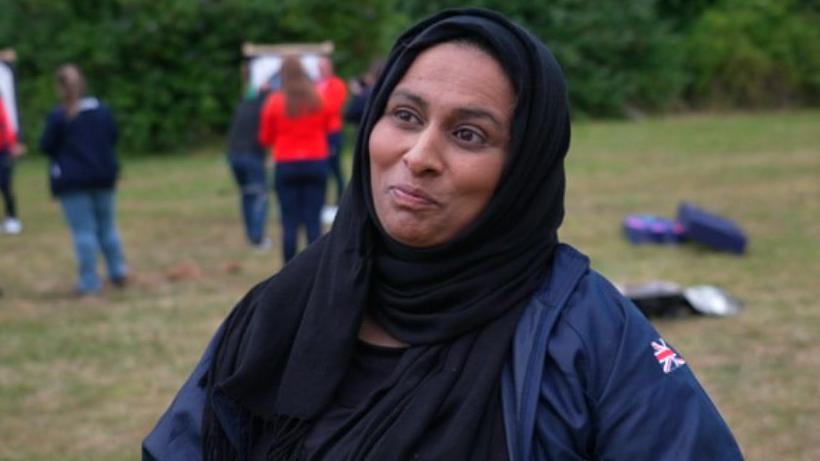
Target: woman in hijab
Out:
[440,319]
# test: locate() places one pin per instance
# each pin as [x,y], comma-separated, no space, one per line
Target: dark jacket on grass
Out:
[81,148]
[587,378]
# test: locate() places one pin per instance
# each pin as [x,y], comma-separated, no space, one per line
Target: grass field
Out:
[85,379]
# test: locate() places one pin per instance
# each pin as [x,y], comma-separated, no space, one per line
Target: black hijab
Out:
[287,344]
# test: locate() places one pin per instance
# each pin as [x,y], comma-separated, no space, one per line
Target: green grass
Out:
[86,379]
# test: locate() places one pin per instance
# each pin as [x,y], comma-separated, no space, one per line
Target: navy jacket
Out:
[587,378]
[81,148]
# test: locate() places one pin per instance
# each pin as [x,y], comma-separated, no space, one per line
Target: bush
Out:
[616,55]
[755,53]
[169,69]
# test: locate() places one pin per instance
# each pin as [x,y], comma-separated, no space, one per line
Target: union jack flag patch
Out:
[667,358]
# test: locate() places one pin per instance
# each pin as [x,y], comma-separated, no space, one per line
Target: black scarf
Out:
[287,344]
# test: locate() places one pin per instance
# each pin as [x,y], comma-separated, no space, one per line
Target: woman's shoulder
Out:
[586,301]
[585,321]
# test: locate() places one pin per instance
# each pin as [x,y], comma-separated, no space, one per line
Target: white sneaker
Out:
[12,226]
[263,246]
[329,214]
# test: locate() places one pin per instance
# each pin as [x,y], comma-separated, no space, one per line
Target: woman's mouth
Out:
[407,196]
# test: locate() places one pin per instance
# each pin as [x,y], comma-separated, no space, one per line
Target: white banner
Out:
[265,68]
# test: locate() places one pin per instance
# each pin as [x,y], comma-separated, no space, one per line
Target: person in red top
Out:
[294,124]
[9,150]
[334,92]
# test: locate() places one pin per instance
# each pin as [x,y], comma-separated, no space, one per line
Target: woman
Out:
[79,137]
[440,319]
[294,125]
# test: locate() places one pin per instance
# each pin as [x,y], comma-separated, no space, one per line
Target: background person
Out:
[440,318]
[10,149]
[247,158]
[333,91]
[80,137]
[295,125]
[360,90]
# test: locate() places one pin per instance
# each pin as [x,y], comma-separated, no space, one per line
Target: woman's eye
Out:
[404,115]
[469,136]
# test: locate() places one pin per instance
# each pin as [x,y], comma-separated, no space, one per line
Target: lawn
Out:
[84,379]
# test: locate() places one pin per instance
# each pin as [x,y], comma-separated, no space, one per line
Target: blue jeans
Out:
[250,175]
[335,141]
[300,187]
[91,217]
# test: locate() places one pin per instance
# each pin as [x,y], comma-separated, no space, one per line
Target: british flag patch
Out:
[667,358]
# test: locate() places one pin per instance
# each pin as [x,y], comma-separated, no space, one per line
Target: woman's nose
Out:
[424,156]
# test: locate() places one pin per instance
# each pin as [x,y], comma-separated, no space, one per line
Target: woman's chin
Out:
[415,236]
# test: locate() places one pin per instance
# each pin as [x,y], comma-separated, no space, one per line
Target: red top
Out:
[334,92]
[293,139]
[8,138]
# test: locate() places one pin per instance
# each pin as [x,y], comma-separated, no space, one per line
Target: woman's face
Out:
[437,152]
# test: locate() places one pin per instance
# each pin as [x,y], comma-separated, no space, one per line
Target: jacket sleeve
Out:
[178,433]
[615,390]
[113,129]
[50,139]
[334,94]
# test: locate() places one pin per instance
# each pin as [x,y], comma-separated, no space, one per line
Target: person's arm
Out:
[113,129]
[622,393]
[335,94]
[50,139]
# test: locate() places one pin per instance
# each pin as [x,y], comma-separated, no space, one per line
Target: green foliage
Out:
[756,53]
[616,55]
[170,69]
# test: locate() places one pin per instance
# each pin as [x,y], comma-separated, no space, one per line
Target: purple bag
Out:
[711,229]
[641,228]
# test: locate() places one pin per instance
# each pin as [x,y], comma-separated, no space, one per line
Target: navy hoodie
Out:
[81,148]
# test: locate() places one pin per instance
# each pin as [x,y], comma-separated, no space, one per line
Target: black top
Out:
[370,367]
[244,135]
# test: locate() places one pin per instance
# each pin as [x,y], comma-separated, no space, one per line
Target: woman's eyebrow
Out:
[416,99]
[464,112]
[471,112]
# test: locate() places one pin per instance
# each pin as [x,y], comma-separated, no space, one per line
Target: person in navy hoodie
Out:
[441,318]
[79,137]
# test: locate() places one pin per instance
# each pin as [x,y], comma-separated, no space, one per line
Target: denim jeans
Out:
[91,217]
[250,175]
[300,187]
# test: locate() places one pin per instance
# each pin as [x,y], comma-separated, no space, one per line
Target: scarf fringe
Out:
[289,435]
